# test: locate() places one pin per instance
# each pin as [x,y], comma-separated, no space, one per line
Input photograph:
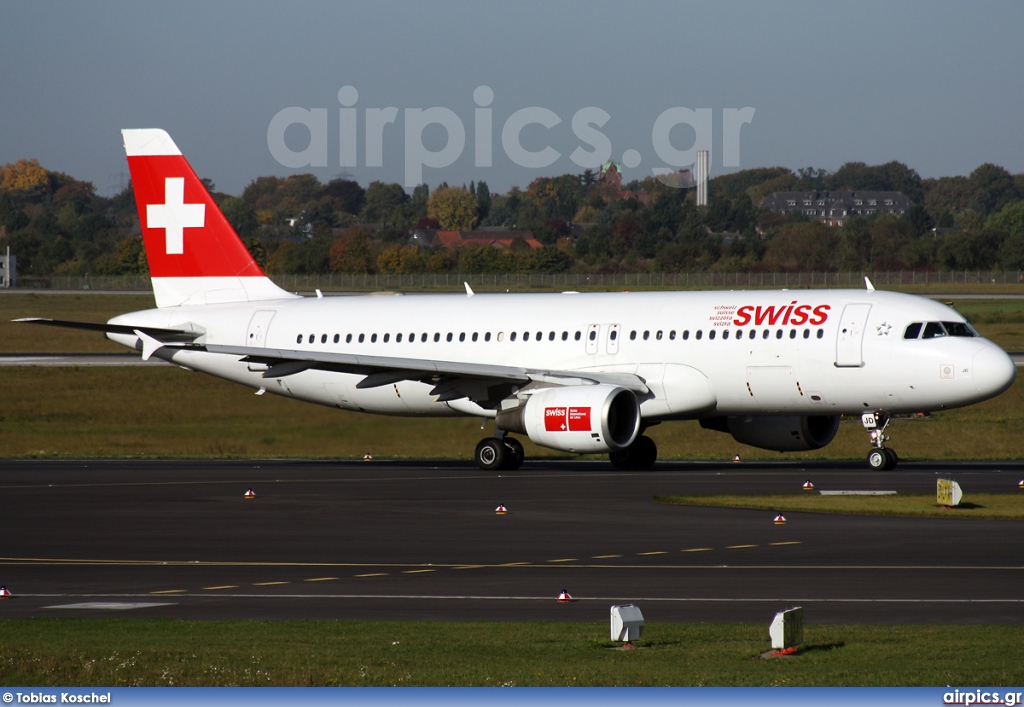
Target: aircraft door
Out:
[850,338]
[593,331]
[258,327]
[613,339]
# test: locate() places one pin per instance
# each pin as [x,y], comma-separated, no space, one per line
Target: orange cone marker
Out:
[4,592]
[780,519]
[808,486]
[501,510]
[250,494]
[564,597]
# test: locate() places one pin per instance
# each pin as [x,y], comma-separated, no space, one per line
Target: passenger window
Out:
[578,336]
[658,335]
[672,335]
[398,338]
[387,337]
[323,338]
[933,330]
[686,334]
[632,335]
[551,336]
[540,335]
[449,337]
[348,338]
[373,338]
[487,336]
[821,333]
[792,333]
[565,335]
[512,336]
[739,333]
[298,339]
[711,334]
[725,334]
[462,336]
[912,331]
[753,333]
[778,334]
[647,335]
[362,338]
[337,338]
[593,335]
[698,335]
[475,335]
[614,335]
[437,336]
[312,338]
[807,333]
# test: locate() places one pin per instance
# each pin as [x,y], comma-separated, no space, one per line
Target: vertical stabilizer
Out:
[194,255]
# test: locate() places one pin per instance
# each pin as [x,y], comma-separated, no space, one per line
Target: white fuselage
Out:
[807,352]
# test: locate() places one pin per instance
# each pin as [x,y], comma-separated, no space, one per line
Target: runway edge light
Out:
[780,519]
[250,494]
[564,597]
[808,486]
[501,510]
[4,592]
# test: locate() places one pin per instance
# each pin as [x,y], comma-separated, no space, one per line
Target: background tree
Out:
[453,207]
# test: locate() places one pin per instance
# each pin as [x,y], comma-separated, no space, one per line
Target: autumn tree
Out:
[453,207]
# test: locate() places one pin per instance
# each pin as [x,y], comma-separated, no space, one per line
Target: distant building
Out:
[835,207]
[8,269]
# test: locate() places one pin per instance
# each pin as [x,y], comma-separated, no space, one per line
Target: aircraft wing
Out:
[452,380]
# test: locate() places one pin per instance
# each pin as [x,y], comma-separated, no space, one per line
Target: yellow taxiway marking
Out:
[790,542]
[697,549]
[738,547]
[415,571]
[513,564]
[603,557]
[373,574]
[170,591]
[267,584]
[565,559]
[319,579]
[659,552]
[468,567]
[226,586]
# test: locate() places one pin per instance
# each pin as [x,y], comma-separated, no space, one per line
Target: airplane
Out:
[580,373]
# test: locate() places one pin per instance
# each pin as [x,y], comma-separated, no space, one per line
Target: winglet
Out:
[867,284]
[469,290]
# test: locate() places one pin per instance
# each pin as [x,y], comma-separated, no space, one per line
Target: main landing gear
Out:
[499,453]
[639,456]
[881,458]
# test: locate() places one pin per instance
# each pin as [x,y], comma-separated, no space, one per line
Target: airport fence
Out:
[370,282]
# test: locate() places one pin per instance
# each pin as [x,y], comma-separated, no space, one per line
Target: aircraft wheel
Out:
[491,454]
[891,459]
[639,456]
[515,456]
[878,460]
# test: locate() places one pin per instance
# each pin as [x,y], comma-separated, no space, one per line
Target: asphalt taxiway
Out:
[397,541]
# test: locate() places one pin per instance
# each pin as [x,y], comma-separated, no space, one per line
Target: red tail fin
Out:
[195,256]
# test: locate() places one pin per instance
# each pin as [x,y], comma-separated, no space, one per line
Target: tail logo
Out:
[174,215]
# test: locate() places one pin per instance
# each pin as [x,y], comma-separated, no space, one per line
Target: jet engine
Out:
[781,434]
[582,419]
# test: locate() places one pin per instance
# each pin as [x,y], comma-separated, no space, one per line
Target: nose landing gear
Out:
[880,458]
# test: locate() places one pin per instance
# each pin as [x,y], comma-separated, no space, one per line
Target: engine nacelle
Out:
[781,434]
[582,419]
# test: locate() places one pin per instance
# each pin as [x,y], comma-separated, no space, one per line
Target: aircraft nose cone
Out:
[994,371]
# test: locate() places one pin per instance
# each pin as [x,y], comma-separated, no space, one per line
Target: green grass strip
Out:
[976,505]
[126,652]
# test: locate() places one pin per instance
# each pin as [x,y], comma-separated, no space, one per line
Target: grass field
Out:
[162,411]
[1004,506]
[127,652]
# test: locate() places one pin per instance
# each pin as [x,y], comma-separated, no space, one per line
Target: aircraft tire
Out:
[491,454]
[515,456]
[878,460]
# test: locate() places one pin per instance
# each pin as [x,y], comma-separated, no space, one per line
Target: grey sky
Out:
[937,85]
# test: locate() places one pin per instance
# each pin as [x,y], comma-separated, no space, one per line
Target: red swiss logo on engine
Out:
[567,419]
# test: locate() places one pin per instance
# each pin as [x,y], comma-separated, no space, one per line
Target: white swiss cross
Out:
[175,215]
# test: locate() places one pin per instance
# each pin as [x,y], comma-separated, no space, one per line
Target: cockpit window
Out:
[959,329]
[913,331]
[933,330]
